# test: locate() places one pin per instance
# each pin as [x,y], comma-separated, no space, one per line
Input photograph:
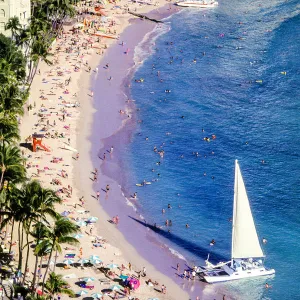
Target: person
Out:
[107,188]
[144,272]
[129,266]
[264,240]
[169,205]
[98,195]
[212,242]
[135,195]
[111,149]
[77,156]
[187,225]
[177,267]
[267,286]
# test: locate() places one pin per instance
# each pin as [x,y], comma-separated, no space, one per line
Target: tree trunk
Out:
[27,256]
[55,260]
[20,247]
[2,177]
[47,266]
[11,234]
[41,263]
[34,272]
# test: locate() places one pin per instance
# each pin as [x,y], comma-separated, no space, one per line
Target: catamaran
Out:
[246,253]
[197,3]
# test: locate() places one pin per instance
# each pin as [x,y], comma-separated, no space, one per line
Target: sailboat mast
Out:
[234,205]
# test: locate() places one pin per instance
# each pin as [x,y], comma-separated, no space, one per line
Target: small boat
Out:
[246,253]
[200,4]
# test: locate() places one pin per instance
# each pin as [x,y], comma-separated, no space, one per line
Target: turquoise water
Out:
[244,89]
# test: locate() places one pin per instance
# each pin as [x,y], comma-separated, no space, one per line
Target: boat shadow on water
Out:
[193,248]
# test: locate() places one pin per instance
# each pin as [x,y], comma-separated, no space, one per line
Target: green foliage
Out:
[13,56]
[56,285]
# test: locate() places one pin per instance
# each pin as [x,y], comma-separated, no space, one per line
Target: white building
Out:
[12,8]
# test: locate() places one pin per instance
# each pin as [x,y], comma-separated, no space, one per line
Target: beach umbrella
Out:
[115,287]
[96,261]
[111,266]
[88,279]
[83,261]
[78,236]
[68,261]
[92,257]
[65,213]
[81,293]
[80,223]
[96,295]
[123,277]
[92,219]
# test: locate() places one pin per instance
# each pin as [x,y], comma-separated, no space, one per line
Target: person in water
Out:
[212,242]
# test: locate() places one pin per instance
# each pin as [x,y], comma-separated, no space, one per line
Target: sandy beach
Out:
[76,106]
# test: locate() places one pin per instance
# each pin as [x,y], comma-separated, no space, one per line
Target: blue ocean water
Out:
[233,72]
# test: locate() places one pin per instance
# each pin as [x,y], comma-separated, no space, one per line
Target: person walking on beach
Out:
[107,188]
[129,266]
[98,195]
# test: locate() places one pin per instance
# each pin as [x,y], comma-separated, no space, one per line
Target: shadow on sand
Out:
[193,248]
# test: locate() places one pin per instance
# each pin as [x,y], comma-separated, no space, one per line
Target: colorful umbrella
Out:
[65,213]
[83,261]
[68,261]
[92,257]
[88,279]
[115,287]
[123,277]
[81,223]
[92,219]
[78,236]
[81,293]
[96,295]
[96,261]
[111,266]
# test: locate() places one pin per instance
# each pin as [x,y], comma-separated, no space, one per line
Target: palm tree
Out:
[38,204]
[14,26]
[60,234]
[9,131]
[56,285]
[11,165]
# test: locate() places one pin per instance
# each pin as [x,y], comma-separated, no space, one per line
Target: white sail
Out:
[245,242]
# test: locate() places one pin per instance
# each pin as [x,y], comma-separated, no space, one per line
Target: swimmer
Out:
[212,242]
[163,211]
[135,195]
[187,225]
[169,205]
[264,240]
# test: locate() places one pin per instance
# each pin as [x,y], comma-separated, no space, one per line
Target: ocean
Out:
[230,74]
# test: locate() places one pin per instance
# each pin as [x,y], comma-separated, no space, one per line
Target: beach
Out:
[76,105]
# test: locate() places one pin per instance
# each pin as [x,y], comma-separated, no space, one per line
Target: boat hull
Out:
[239,275]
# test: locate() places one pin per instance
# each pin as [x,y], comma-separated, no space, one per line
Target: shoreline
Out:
[90,141]
[158,255]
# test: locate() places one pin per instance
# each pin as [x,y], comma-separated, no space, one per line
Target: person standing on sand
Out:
[98,195]
[129,266]
[107,188]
